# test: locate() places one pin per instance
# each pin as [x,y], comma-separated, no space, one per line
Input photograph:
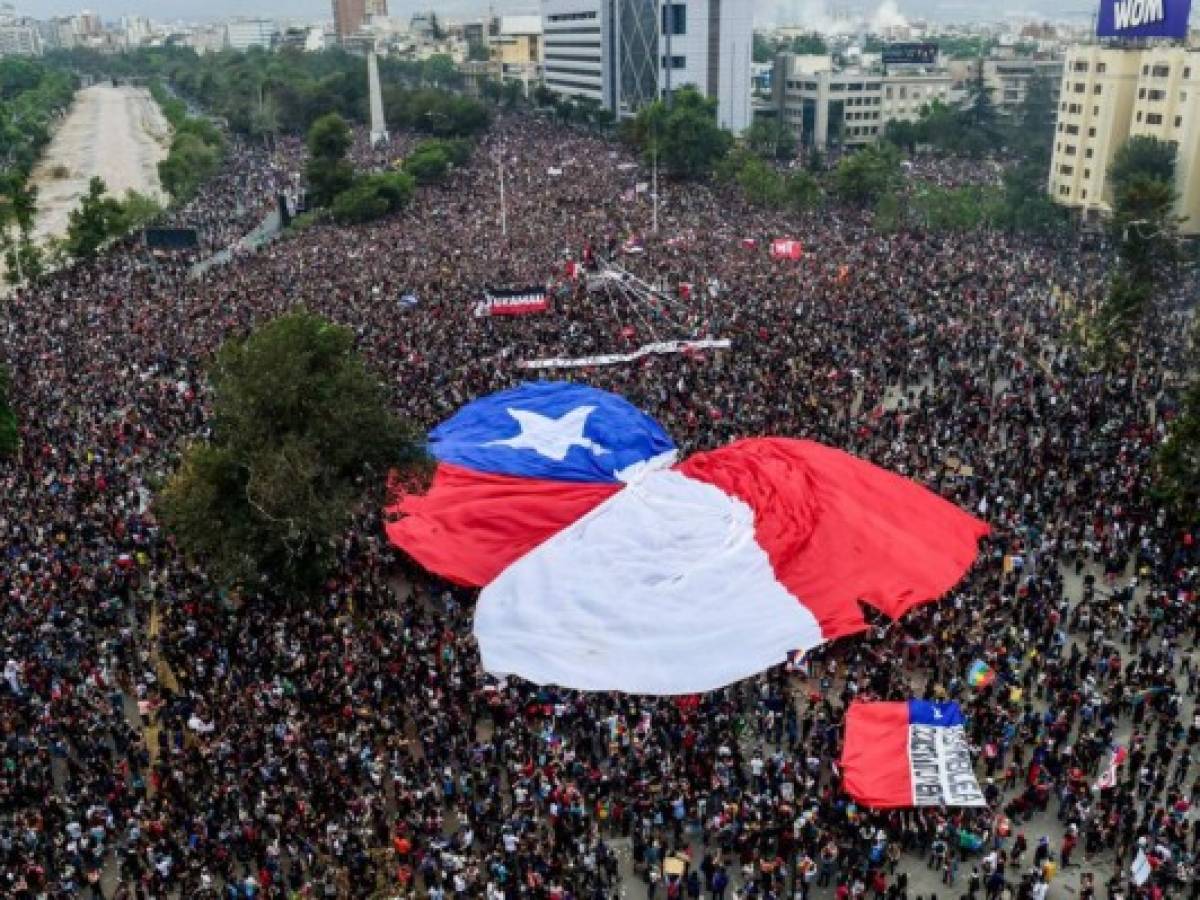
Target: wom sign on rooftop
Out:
[1143,18]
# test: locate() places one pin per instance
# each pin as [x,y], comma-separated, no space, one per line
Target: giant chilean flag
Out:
[606,564]
[912,753]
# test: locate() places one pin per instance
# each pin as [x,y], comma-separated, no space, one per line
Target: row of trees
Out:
[977,129]
[32,96]
[1144,230]
[197,147]
[686,142]
[260,94]
[574,110]
[765,48]
[9,435]
[354,198]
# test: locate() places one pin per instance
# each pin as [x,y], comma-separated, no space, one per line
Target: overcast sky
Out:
[765,10]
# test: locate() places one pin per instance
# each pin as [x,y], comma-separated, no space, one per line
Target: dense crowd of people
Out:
[164,737]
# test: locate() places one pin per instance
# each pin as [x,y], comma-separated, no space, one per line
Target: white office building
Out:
[242,34]
[709,45]
[578,51]
[625,53]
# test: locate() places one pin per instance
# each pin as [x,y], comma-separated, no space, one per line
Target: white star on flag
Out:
[550,437]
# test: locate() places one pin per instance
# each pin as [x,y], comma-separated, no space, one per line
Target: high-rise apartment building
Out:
[578,49]
[348,17]
[626,53]
[88,23]
[376,8]
[708,45]
[1110,94]
[20,40]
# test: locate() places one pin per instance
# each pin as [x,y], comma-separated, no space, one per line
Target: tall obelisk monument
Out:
[379,134]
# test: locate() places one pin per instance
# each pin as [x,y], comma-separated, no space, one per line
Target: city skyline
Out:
[766,12]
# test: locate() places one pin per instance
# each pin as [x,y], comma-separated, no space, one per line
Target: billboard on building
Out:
[1143,18]
[917,54]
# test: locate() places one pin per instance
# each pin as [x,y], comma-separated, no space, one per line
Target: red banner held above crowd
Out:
[517,302]
[786,248]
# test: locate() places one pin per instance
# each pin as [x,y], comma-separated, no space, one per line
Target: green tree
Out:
[18,200]
[905,135]
[939,125]
[1142,156]
[373,196]
[188,164]
[427,165]
[10,437]
[801,191]
[812,44]
[299,429]
[1035,119]
[685,136]
[478,52]
[1120,317]
[1177,462]
[327,172]
[763,49]
[1027,206]
[942,209]
[23,259]
[326,179]
[491,90]
[512,92]
[359,203]
[440,70]
[761,184]
[889,213]
[771,139]
[867,175]
[97,219]
[137,211]
[1146,228]
[981,112]
[329,137]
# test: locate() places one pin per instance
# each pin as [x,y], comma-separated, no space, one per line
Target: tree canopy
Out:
[771,139]
[1145,230]
[327,172]
[197,147]
[865,176]
[1142,156]
[9,435]
[683,134]
[300,431]
[94,221]
[260,93]
[1177,462]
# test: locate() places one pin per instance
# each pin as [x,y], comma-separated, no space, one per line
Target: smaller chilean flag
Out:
[912,753]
